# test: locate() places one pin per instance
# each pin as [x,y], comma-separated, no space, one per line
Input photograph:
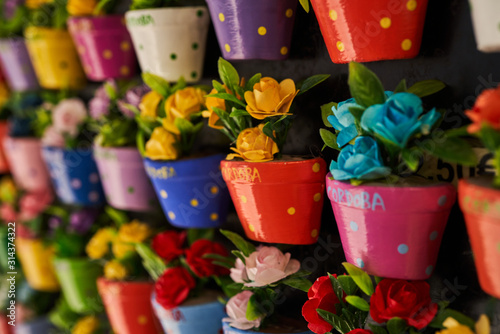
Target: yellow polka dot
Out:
[171,215]
[142,319]
[194,202]
[125,46]
[314,233]
[214,190]
[406,45]
[316,167]
[333,15]
[340,46]
[222,18]
[251,227]
[289,12]
[262,31]
[243,199]
[163,194]
[124,70]
[214,216]
[385,22]
[291,211]
[227,47]
[107,54]
[317,197]
[284,50]
[411,5]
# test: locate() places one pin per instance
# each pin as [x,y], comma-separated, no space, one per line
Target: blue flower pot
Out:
[74,176]
[192,192]
[203,318]
[37,326]
[283,329]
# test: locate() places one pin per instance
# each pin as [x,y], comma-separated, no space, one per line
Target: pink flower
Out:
[7,213]
[32,204]
[236,309]
[68,115]
[239,272]
[53,138]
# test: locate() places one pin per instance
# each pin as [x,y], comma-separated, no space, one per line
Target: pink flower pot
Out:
[104,46]
[124,179]
[391,231]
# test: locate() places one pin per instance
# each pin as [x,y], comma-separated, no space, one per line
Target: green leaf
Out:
[347,284]
[185,127]
[141,145]
[329,139]
[253,80]
[194,234]
[312,82]
[238,113]
[437,322]
[396,326]
[365,86]
[228,97]
[326,110]
[362,280]
[357,112]
[268,131]
[117,216]
[218,86]
[239,255]
[458,132]
[377,329]
[378,279]
[181,84]
[401,87]
[452,149]
[337,322]
[110,91]
[411,157]
[358,302]
[305,5]
[490,137]
[156,83]
[298,283]
[244,246]
[228,74]
[337,288]
[426,87]
[253,312]
[153,264]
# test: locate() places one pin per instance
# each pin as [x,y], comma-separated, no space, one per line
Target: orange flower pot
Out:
[480,204]
[278,201]
[4,131]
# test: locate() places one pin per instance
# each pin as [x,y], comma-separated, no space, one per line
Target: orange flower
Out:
[214,102]
[182,104]
[486,110]
[81,7]
[34,4]
[161,145]
[149,105]
[254,146]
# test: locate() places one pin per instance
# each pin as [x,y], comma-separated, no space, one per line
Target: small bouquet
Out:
[90,7]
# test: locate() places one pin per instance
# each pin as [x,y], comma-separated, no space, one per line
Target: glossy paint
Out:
[4,131]
[485,19]
[16,65]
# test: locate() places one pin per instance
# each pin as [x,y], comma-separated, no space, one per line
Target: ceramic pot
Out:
[268,215]
[284,328]
[37,326]
[17,66]
[191,191]
[78,283]
[480,203]
[74,176]
[128,306]
[124,179]
[170,42]
[104,46]
[29,172]
[392,231]
[4,131]
[258,29]
[485,19]
[365,30]
[54,58]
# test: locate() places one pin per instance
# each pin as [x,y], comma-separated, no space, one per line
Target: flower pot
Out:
[124,179]
[199,315]
[259,29]
[74,176]
[128,306]
[17,65]
[29,172]
[257,190]
[170,42]
[54,58]
[191,191]
[4,131]
[38,326]
[480,204]
[36,261]
[392,231]
[104,46]
[485,18]
[5,328]
[365,30]
[283,328]
[78,283]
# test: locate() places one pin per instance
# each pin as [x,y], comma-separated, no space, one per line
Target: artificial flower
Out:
[169,245]
[211,103]
[81,7]
[486,110]
[269,98]
[162,145]
[134,232]
[182,104]
[86,325]
[149,105]
[8,190]
[254,146]
[8,213]
[81,221]
[121,249]
[114,270]
[34,4]
[199,264]
[68,115]
[321,296]
[454,327]
[173,287]
[360,331]
[31,205]
[99,107]
[132,98]
[343,121]
[236,309]
[53,138]
[98,246]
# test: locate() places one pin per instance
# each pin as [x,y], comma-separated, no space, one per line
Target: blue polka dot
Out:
[354,226]
[442,200]
[434,235]
[428,271]
[360,263]
[403,249]
[329,189]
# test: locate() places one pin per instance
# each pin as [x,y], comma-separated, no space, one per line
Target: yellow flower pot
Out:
[36,261]
[54,58]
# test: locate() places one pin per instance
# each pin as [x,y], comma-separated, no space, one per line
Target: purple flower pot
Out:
[16,64]
[258,29]
[104,46]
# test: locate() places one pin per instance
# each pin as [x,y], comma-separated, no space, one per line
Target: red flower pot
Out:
[278,201]
[5,328]
[367,30]
[4,131]
[480,204]
[128,306]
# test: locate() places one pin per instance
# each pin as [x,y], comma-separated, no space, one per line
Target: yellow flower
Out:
[182,104]
[213,102]
[149,105]
[270,98]
[98,246]
[135,231]
[34,4]
[454,327]
[115,270]
[254,146]
[121,249]
[86,325]
[161,145]
[81,7]
[4,94]
[8,191]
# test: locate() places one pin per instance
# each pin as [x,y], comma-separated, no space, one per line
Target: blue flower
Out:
[398,119]
[360,161]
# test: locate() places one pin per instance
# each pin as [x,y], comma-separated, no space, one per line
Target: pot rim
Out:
[165,9]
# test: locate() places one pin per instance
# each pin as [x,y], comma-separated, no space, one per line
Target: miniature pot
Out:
[480,203]
[170,42]
[17,66]
[29,172]
[191,191]
[36,261]
[258,29]
[54,58]
[282,328]
[4,131]
[74,176]
[104,46]
[38,326]
[392,231]
[365,30]
[124,179]
[201,315]
[78,282]
[128,306]
[257,190]
[485,19]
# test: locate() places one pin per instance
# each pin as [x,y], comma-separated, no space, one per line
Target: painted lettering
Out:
[363,200]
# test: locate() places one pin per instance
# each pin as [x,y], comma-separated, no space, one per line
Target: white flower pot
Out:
[486,22]
[170,42]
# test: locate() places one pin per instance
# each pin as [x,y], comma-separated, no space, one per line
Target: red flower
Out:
[173,287]
[321,296]
[360,331]
[202,266]
[486,110]
[410,301]
[168,245]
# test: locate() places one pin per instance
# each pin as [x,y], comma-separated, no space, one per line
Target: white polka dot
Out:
[442,200]
[76,184]
[354,226]
[360,263]
[434,235]
[428,271]
[403,249]
[94,178]
[329,189]
[93,196]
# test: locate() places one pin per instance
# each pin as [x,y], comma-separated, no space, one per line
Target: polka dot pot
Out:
[391,231]
[170,42]
[367,30]
[282,328]
[257,29]
[191,191]
[480,204]
[104,46]
[124,179]
[278,201]
[17,65]
[54,58]
[36,326]
[128,306]
[74,176]
[4,130]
